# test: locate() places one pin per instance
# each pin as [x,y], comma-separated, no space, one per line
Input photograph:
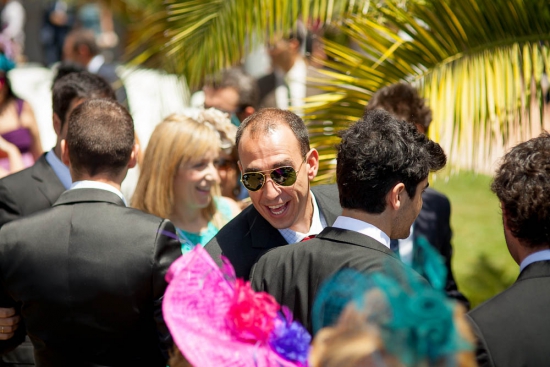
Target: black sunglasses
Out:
[282,176]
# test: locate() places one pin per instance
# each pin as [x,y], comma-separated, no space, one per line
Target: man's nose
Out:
[272,190]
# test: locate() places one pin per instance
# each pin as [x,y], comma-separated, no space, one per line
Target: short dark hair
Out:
[403,101]
[81,85]
[378,152]
[65,68]
[522,184]
[268,119]
[100,137]
[245,85]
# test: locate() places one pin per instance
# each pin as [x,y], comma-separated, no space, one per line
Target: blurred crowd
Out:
[208,245]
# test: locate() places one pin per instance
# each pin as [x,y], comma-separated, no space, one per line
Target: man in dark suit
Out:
[80,47]
[39,186]
[513,328]
[88,273]
[383,166]
[433,223]
[277,165]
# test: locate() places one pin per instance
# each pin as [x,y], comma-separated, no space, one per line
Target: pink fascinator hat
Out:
[218,320]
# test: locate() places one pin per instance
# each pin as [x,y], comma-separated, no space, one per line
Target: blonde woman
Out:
[179,180]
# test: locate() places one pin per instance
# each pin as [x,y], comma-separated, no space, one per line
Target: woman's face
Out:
[228,171]
[195,180]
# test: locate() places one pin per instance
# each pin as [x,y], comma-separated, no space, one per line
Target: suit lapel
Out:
[262,234]
[47,181]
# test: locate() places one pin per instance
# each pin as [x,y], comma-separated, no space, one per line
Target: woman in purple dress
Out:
[17,124]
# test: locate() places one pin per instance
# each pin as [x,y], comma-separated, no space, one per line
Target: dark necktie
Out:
[394,246]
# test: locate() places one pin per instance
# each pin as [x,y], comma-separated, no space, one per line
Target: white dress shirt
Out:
[97,185]
[318,223]
[365,228]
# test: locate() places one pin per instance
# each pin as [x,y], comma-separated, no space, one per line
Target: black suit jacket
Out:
[513,327]
[293,274]
[28,191]
[88,278]
[249,235]
[434,223]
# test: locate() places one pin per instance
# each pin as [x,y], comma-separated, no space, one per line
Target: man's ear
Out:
[312,162]
[65,153]
[394,198]
[56,124]
[134,156]
[240,166]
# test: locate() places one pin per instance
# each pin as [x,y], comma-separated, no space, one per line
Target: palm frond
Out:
[481,65]
[195,38]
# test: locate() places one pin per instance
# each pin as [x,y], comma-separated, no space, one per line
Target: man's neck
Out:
[97,178]
[380,221]
[304,225]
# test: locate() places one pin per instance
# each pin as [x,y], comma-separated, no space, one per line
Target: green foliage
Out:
[195,38]
[481,263]
[480,64]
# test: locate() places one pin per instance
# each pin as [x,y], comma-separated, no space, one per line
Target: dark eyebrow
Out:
[283,163]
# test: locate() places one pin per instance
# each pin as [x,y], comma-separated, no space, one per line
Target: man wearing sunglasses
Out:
[277,165]
[382,170]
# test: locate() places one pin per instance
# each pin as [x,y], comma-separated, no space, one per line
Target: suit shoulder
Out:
[14,181]
[432,194]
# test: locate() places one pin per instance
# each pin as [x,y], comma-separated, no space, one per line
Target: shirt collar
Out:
[60,170]
[318,223]
[95,63]
[365,228]
[97,185]
[534,257]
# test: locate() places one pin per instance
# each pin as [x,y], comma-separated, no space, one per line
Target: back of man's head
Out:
[402,101]
[522,184]
[78,85]
[100,138]
[378,152]
[267,120]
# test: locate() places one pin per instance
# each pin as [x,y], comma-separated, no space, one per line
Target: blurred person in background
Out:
[58,20]
[234,92]
[228,170]
[81,47]
[13,29]
[17,122]
[179,180]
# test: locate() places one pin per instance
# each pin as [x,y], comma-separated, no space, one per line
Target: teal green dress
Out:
[189,240]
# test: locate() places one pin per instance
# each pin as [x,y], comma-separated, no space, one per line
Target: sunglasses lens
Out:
[284,176]
[253,181]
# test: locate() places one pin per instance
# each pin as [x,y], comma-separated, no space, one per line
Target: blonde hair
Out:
[175,141]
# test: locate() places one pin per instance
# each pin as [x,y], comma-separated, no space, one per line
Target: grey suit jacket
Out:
[293,274]
[28,191]
[513,327]
[249,235]
[88,278]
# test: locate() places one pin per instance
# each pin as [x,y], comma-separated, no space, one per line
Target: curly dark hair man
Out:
[403,101]
[522,184]
[378,152]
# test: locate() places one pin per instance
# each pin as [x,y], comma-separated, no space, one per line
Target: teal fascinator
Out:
[6,64]
[414,320]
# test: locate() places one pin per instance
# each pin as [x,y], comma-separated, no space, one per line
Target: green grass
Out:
[482,265]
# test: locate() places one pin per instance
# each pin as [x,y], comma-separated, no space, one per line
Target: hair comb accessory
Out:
[414,320]
[217,320]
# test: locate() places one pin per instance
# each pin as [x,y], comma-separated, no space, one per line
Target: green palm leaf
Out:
[196,37]
[479,64]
